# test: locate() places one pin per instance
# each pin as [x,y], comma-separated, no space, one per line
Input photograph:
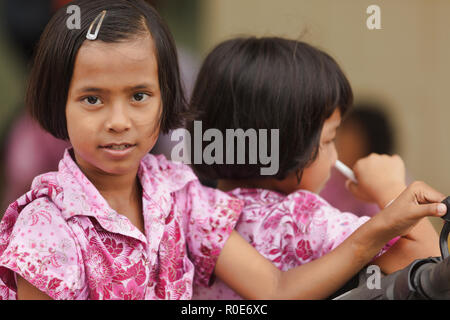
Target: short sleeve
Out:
[212,216]
[42,250]
[339,226]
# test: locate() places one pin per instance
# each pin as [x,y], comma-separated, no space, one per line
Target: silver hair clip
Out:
[93,36]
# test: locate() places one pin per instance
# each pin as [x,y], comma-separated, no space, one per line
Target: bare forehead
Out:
[141,49]
[113,65]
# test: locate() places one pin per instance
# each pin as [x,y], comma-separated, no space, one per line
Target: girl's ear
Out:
[298,174]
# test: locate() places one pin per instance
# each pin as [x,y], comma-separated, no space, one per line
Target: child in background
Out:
[274,83]
[24,138]
[115,222]
[366,129]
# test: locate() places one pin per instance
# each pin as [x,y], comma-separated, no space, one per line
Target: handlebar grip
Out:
[443,244]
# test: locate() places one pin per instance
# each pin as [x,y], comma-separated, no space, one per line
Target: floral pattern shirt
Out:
[64,238]
[288,230]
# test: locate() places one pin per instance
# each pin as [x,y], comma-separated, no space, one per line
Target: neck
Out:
[112,187]
[115,188]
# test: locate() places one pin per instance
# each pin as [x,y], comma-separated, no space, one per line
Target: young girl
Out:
[117,223]
[274,83]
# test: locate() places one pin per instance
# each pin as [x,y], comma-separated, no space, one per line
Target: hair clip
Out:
[93,36]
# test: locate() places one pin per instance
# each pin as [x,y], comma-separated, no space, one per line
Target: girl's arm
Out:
[26,291]
[43,217]
[252,276]
[422,242]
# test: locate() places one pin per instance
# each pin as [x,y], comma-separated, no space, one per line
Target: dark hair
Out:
[58,47]
[269,83]
[374,126]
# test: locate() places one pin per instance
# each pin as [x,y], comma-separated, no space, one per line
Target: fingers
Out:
[428,200]
[432,209]
[375,158]
[424,193]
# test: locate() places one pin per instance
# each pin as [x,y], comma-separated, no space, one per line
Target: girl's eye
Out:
[91,100]
[140,97]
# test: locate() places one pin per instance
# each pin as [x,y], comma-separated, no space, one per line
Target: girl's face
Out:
[114,105]
[316,175]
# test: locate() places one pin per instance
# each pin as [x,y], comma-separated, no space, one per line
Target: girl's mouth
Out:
[118,151]
[118,147]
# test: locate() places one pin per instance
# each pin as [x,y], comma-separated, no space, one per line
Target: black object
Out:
[445,230]
[422,279]
[24,21]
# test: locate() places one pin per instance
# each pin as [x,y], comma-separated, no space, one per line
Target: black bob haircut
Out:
[268,83]
[54,60]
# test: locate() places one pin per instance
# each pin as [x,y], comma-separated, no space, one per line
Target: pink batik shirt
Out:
[290,230]
[64,238]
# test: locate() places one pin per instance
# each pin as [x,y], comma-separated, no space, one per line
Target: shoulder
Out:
[159,163]
[165,176]
[173,175]
[312,200]
[39,215]
[269,198]
[40,247]
[305,203]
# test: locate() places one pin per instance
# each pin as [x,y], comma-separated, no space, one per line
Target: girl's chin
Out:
[120,170]
[116,168]
[105,166]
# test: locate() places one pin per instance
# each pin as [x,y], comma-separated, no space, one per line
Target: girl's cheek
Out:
[334,154]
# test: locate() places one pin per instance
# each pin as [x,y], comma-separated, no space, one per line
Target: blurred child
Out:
[24,138]
[274,83]
[366,129]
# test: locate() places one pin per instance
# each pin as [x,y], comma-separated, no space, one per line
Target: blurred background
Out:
[401,70]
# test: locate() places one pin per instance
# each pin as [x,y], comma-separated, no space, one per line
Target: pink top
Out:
[288,230]
[63,237]
[336,194]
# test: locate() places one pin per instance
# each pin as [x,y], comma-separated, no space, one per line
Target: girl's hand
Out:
[418,201]
[381,178]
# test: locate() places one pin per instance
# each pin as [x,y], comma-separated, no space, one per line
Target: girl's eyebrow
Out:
[129,88]
[140,86]
[91,89]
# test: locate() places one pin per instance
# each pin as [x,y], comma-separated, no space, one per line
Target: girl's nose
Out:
[118,119]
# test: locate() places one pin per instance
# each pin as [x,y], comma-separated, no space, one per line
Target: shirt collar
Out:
[159,179]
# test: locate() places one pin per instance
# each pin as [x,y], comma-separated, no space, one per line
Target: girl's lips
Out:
[118,151]
[112,145]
